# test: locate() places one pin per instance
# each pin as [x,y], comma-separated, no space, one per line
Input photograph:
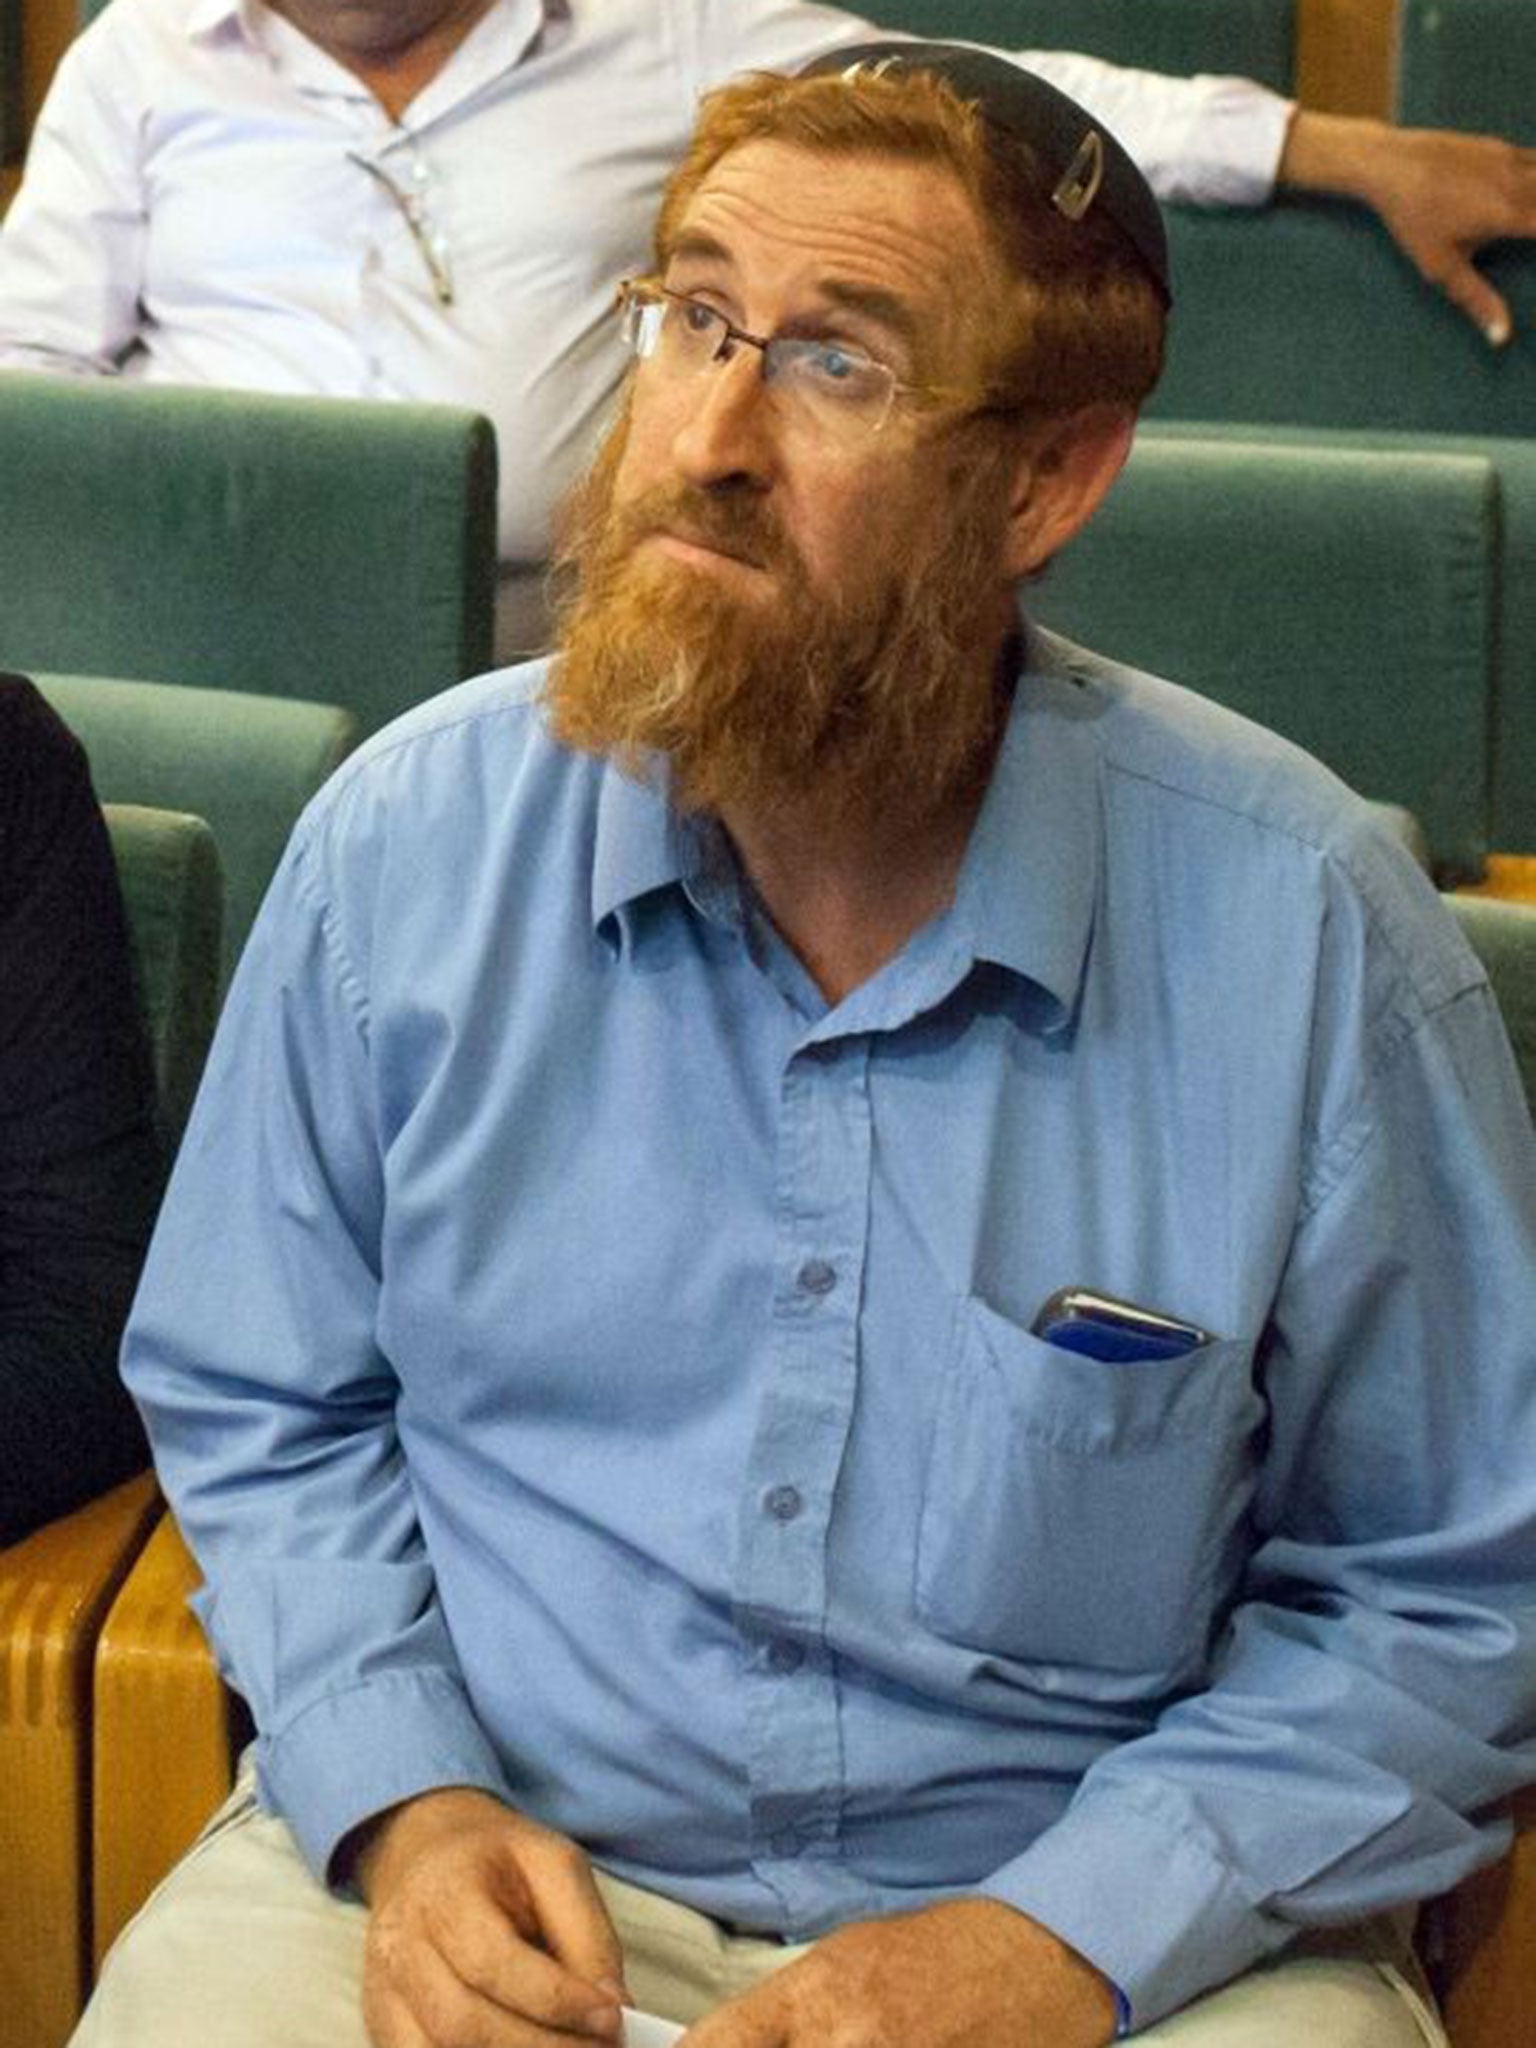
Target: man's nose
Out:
[728,428]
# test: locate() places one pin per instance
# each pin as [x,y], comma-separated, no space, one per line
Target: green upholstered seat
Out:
[247,764]
[292,547]
[1344,598]
[1255,38]
[1468,64]
[1512,824]
[1311,315]
[1504,937]
[168,868]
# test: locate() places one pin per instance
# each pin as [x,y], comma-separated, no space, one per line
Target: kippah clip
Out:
[1080,182]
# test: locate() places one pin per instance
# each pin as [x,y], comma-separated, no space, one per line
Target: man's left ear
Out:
[1063,473]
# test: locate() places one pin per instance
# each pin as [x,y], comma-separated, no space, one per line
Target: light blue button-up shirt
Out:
[589,1367]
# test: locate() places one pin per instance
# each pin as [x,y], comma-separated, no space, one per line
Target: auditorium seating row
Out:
[1372,595]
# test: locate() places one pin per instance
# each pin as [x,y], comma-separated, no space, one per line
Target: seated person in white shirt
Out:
[432,199]
[605,1339]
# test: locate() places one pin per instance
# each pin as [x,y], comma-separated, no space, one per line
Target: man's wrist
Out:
[362,1857]
[1338,153]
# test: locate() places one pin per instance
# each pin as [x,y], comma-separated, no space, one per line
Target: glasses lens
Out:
[639,319]
[827,385]
[841,389]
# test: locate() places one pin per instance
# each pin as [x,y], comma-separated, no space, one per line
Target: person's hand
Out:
[1440,195]
[485,1930]
[965,1974]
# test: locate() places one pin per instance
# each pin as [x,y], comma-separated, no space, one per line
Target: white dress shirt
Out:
[198,206]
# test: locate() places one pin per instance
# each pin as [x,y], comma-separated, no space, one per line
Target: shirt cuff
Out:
[354,1753]
[1132,1888]
[1231,154]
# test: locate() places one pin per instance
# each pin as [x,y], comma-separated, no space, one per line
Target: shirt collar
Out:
[206,17]
[1027,889]
[639,846]
[1029,881]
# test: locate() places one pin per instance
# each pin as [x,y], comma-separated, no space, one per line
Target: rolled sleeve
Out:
[1204,141]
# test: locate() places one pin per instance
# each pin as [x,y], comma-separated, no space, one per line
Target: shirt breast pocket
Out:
[1083,1514]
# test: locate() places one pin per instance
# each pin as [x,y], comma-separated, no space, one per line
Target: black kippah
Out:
[1087,166]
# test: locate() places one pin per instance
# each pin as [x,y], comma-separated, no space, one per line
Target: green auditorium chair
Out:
[1512,820]
[247,764]
[57,1584]
[1468,64]
[1254,38]
[288,547]
[1345,598]
[1503,935]
[1309,315]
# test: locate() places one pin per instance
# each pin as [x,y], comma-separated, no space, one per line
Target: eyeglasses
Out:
[830,385]
[414,200]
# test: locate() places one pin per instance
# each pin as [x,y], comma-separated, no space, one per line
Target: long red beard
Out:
[880,701]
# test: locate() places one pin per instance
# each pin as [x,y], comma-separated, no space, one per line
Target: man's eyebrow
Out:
[701,248]
[886,308]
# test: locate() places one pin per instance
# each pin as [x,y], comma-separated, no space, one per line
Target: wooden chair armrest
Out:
[55,1588]
[1481,1944]
[166,1730]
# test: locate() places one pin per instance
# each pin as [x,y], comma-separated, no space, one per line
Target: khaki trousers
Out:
[240,1947]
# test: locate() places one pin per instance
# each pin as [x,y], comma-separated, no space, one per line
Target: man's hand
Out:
[485,1931]
[1440,195]
[966,1974]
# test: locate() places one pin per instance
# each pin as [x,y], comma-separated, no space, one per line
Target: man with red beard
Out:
[819,1327]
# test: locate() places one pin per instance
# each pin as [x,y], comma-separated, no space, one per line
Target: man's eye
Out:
[698,318]
[832,367]
[838,365]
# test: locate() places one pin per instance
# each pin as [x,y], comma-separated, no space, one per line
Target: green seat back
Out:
[1255,38]
[1512,826]
[1504,937]
[1311,315]
[290,547]
[1468,64]
[1344,598]
[248,765]
[168,867]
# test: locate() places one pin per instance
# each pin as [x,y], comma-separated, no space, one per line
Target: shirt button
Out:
[785,1656]
[816,1276]
[783,1502]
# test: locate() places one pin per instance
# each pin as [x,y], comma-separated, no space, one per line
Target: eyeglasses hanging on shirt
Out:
[413,197]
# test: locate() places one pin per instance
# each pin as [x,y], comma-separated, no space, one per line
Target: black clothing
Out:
[80,1162]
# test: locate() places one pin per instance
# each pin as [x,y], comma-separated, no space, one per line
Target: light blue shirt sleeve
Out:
[323,1605]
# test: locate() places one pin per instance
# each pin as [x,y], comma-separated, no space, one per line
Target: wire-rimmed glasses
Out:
[832,385]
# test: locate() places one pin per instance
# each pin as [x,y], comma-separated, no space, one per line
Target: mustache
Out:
[728,520]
